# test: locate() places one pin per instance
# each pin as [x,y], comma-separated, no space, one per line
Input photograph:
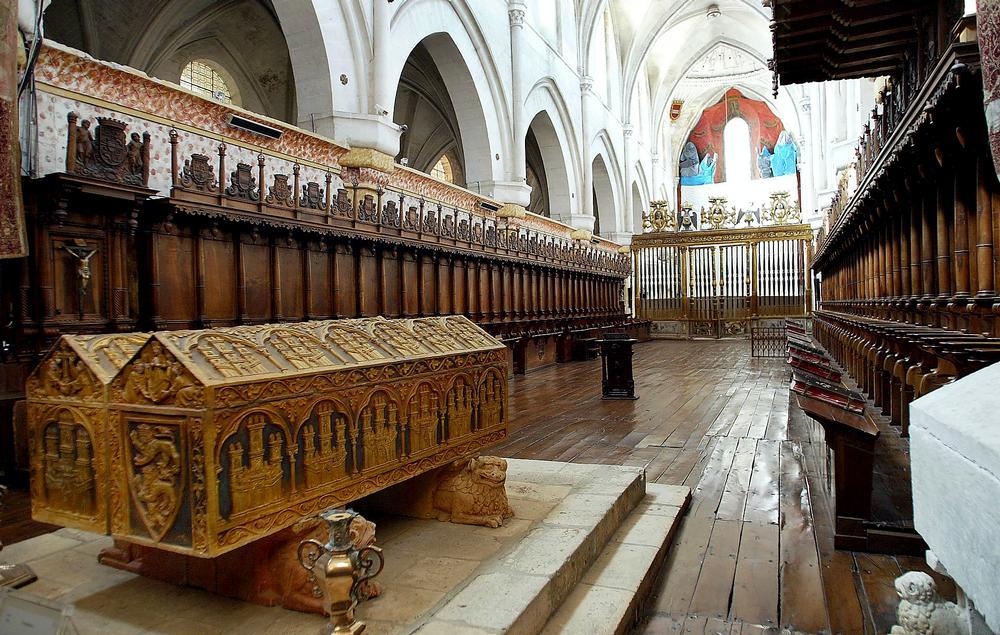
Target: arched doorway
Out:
[437,102]
[432,141]
[605,212]
[638,207]
[547,169]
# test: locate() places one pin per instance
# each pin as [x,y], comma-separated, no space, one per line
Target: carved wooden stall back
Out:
[219,437]
[68,427]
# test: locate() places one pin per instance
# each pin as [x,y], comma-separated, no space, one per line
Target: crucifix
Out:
[83,254]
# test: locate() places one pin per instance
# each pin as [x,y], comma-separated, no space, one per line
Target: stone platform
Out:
[579,556]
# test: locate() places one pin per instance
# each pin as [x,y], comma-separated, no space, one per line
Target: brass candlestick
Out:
[339,568]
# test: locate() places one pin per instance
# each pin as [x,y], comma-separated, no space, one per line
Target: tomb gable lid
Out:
[242,354]
[75,360]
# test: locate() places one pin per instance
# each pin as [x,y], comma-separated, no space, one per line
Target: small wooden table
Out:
[616,366]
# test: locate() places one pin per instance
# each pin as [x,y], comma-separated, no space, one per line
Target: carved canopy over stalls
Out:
[818,40]
[207,440]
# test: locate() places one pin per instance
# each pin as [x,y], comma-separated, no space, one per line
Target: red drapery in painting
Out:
[707,135]
[13,240]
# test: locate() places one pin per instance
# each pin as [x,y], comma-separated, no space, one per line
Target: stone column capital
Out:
[516,13]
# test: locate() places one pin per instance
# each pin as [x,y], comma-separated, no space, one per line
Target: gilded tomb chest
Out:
[219,437]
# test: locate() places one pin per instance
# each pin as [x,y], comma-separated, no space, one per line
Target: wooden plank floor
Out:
[755,552]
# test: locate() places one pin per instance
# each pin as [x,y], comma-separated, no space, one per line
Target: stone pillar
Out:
[516,11]
[585,219]
[383,93]
[629,223]
[373,129]
[657,183]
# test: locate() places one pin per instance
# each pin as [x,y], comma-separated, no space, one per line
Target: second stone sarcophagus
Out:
[212,439]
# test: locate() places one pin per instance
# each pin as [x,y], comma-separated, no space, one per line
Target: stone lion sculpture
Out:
[472,492]
[921,612]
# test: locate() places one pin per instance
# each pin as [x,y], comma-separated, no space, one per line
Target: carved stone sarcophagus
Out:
[216,438]
[68,428]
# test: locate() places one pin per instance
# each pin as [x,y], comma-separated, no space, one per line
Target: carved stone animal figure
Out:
[920,612]
[472,492]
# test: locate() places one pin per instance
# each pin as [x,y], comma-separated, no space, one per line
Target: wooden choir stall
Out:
[905,263]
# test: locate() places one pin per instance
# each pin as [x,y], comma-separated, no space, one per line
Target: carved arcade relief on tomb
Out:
[378,431]
[255,458]
[424,418]
[323,445]
[67,465]
[460,408]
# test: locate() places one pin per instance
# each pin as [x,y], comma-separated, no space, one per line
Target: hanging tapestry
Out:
[13,239]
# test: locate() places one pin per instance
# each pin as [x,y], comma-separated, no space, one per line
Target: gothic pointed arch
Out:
[460,52]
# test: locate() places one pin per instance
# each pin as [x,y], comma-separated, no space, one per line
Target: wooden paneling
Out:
[319,278]
[217,274]
[257,273]
[176,279]
[288,256]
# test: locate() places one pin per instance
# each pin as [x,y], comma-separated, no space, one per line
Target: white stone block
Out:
[955,461]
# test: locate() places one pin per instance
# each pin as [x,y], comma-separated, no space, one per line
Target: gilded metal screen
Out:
[716,281]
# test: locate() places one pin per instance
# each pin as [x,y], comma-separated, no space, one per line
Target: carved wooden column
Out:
[984,224]
[882,271]
[483,277]
[241,280]
[277,314]
[529,291]
[472,289]
[964,199]
[944,245]
[506,279]
[199,267]
[308,311]
[411,279]
[905,289]
[496,291]
[916,282]
[459,306]
[894,254]
[527,281]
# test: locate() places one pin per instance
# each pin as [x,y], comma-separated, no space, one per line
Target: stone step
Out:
[520,590]
[609,596]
